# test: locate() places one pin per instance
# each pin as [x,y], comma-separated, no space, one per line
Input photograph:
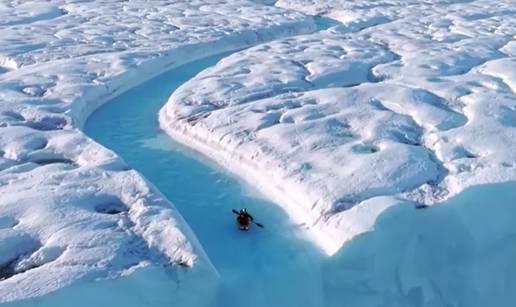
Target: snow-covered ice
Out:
[408,99]
[456,253]
[399,100]
[70,209]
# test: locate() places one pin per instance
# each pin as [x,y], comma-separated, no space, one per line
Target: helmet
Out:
[244,210]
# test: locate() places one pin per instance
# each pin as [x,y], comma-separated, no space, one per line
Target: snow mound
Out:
[413,101]
[65,218]
[452,253]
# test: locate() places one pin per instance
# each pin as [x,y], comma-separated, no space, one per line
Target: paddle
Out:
[257,224]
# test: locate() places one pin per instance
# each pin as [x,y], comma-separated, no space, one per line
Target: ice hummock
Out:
[411,101]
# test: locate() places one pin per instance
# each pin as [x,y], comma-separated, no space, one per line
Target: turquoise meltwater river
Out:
[259,267]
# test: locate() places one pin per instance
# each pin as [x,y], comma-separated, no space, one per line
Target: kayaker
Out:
[244,219]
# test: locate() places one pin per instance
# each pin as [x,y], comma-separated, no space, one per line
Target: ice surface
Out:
[457,253]
[399,99]
[407,99]
[70,209]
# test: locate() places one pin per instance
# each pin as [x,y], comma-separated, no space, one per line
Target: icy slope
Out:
[458,253]
[413,100]
[70,209]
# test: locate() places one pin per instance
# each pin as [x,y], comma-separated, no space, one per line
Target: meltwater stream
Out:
[262,267]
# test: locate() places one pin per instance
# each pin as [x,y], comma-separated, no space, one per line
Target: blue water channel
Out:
[262,266]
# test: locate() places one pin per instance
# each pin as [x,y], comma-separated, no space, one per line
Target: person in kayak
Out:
[244,219]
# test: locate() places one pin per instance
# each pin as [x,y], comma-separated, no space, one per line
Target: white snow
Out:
[72,220]
[410,99]
[70,209]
